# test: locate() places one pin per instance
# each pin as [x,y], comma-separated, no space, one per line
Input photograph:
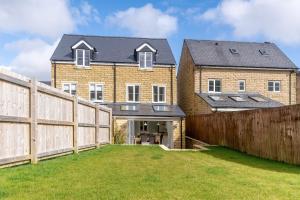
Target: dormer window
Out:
[145,59]
[83,57]
[82,52]
[145,53]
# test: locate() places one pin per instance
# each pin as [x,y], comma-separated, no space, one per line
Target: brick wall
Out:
[256,81]
[124,75]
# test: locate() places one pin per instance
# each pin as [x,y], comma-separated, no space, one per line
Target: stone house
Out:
[232,76]
[136,77]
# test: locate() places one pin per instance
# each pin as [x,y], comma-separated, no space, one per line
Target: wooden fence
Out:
[39,122]
[268,133]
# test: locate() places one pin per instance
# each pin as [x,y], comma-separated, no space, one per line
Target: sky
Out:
[30,30]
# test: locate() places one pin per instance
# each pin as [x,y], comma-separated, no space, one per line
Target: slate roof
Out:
[228,102]
[113,49]
[145,110]
[217,53]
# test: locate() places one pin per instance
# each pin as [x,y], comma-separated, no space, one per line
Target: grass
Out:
[139,172]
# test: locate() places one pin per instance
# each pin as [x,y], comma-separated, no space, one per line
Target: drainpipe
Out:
[172,86]
[200,80]
[115,80]
[181,132]
[290,88]
[55,75]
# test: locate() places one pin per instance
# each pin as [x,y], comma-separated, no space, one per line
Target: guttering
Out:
[230,109]
[244,68]
[112,63]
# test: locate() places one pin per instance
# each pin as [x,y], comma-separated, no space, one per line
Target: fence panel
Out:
[38,121]
[272,133]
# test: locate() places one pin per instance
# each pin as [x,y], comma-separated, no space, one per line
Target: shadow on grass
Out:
[230,155]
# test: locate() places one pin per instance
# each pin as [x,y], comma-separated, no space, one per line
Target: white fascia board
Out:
[145,45]
[82,42]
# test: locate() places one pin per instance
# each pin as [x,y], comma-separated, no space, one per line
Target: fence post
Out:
[97,123]
[75,124]
[111,127]
[33,121]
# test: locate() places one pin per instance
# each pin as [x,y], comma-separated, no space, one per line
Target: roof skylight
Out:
[263,52]
[161,108]
[258,99]
[238,98]
[129,108]
[216,98]
[233,51]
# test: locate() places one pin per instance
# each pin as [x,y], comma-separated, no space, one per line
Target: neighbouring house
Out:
[136,77]
[233,76]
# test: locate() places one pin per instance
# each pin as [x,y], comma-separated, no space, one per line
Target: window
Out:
[217,98]
[263,52]
[129,108]
[83,57]
[161,108]
[258,99]
[145,59]
[237,98]
[242,85]
[133,93]
[159,94]
[214,85]
[274,86]
[96,92]
[234,51]
[70,88]
[143,126]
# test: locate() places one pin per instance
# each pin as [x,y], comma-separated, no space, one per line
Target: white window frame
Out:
[145,61]
[214,80]
[69,83]
[239,84]
[96,84]
[127,93]
[165,94]
[274,82]
[83,58]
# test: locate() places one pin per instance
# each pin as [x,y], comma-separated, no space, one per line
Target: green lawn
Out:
[139,172]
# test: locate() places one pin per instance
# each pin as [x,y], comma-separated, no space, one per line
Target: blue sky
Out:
[29,31]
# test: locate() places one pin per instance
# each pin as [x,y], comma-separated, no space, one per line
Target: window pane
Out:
[92,92]
[142,59]
[130,93]
[155,94]
[270,86]
[99,95]
[242,85]
[161,94]
[148,59]
[73,89]
[99,87]
[277,86]
[66,88]
[79,57]
[87,58]
[137,93]
[211,86]
[217,86]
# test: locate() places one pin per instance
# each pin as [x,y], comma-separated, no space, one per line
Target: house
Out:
[232,76]
[136,77]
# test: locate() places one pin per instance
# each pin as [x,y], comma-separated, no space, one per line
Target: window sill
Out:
[81,67]
[146,69]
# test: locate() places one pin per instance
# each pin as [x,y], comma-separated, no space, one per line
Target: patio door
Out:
[170,134]
[130,137]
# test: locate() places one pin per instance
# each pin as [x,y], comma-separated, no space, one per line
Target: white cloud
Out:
[273,19]
[49,18]
[145,21]
[33,58]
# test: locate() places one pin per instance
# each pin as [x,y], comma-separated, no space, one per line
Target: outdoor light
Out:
[145,124]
